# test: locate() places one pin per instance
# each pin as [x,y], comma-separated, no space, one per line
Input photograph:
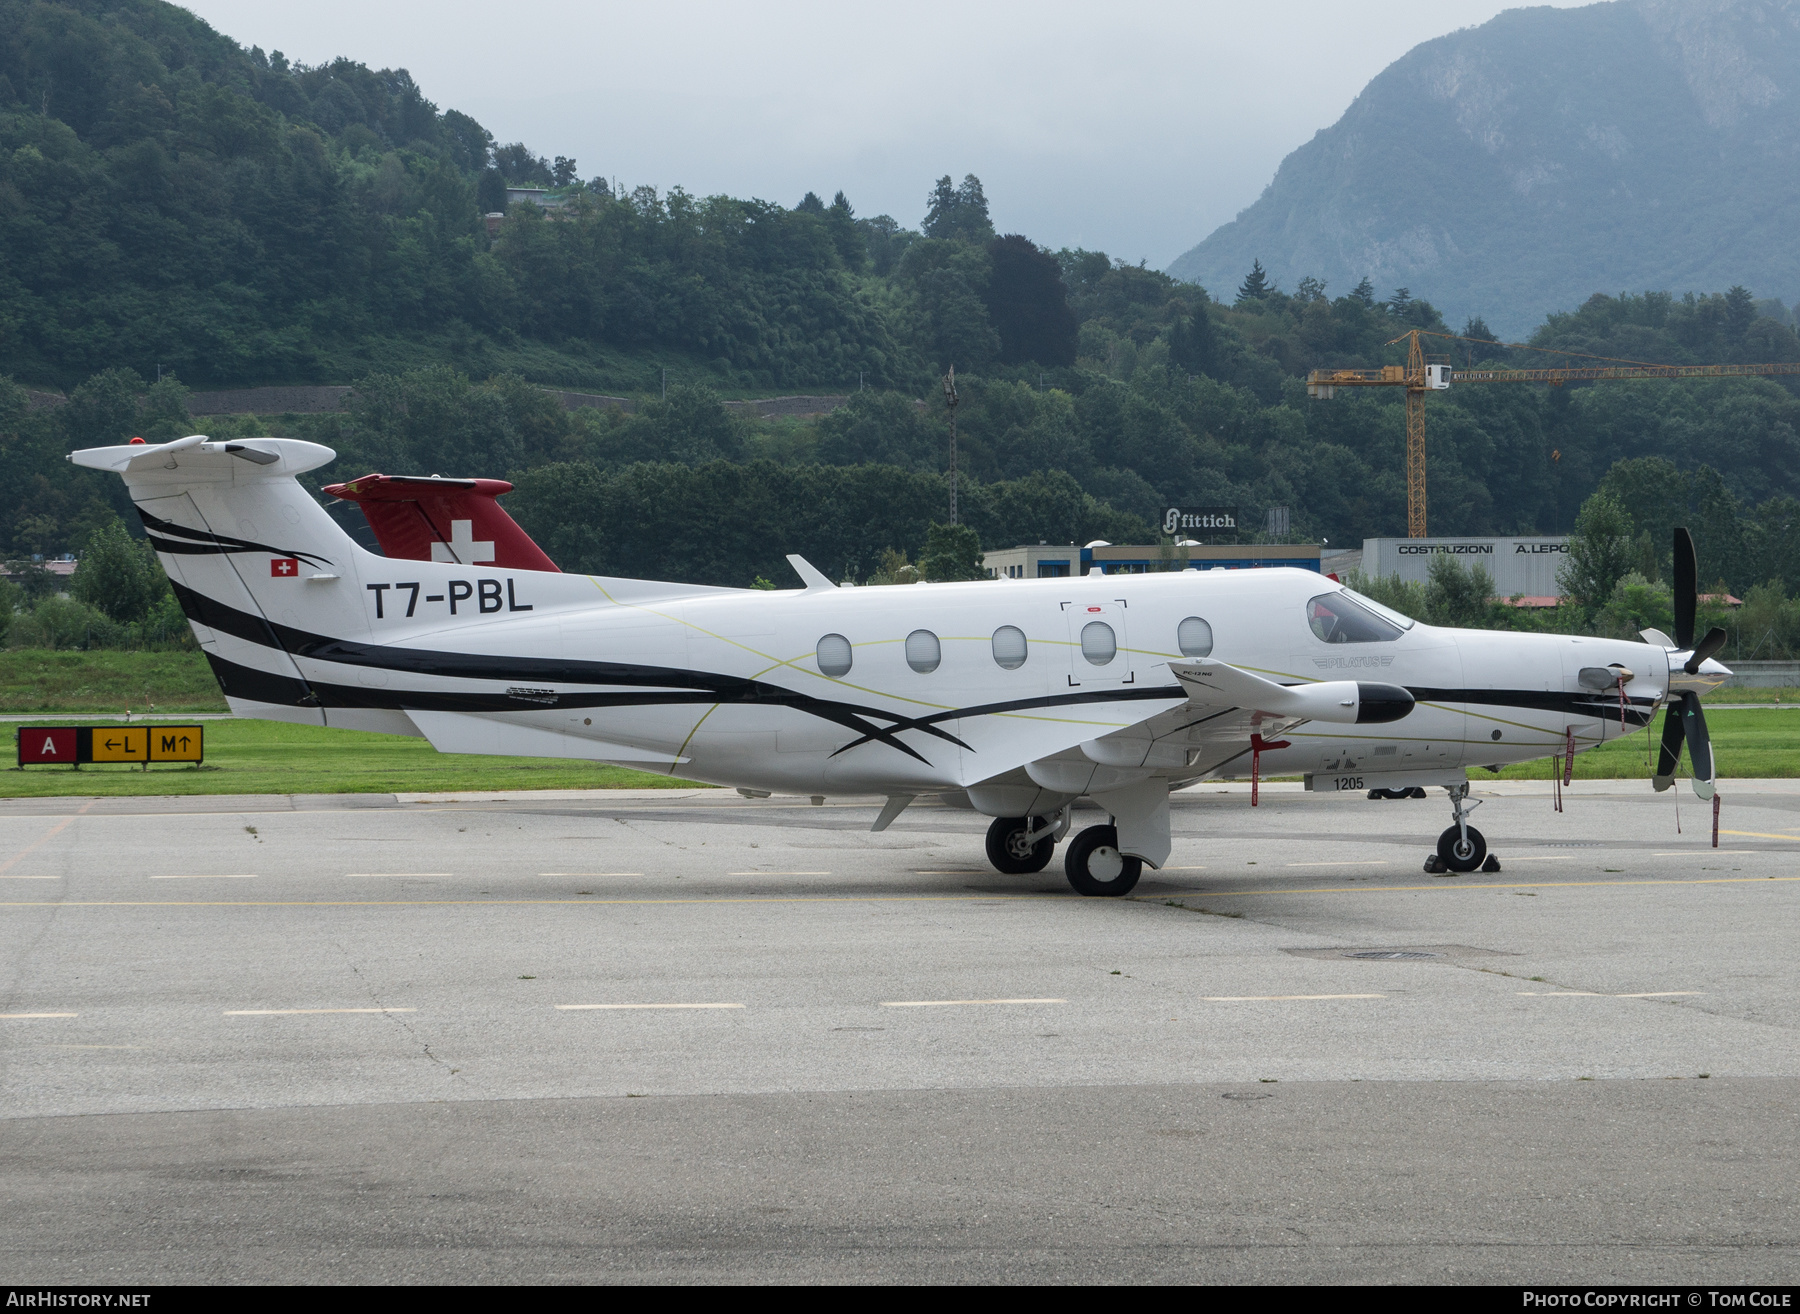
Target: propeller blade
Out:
[1714,640]
[1668,756]
[1687,586]
[1699,743]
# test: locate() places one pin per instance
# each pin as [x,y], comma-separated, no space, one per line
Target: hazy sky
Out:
[1132,128]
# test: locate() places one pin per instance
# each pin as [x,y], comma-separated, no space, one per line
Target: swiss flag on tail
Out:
[285,567]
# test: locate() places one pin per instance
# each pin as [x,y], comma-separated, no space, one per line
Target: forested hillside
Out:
[1510,169]
[170,199]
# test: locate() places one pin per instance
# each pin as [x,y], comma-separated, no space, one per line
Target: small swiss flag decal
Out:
[285,567]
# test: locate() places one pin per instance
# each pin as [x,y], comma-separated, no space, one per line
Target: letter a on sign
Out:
[39,744]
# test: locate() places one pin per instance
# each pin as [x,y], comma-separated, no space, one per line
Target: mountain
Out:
[1515,168]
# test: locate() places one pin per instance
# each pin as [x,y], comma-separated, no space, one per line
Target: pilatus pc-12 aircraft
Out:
[1015,698]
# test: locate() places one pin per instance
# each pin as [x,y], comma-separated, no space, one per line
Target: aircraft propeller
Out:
[1683,720]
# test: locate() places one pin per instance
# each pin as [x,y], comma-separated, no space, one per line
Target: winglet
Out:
[816,581]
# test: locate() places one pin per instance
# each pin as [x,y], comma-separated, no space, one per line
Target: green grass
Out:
[34,680]
[1749,742]
[271,757]
[1789,697]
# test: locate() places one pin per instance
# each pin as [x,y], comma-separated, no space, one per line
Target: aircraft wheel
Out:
[1459,855]
[1095,867]
[1008,851]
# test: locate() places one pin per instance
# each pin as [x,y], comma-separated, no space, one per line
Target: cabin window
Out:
[923,651]
[1195,637]
[834,656]
[1098,643]
[1009,647]
[1334,618]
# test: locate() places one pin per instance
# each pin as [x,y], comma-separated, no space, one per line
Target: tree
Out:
[846,234]
[1256,284]
[563,173]
[1400,304]
[1194,343]
[1364,292]
[1310,289]
[490,192]
[118,576]
[1600,552]
[1483,345]
[1455,596]
[811,204]
[952,552]
[1028,304]
[958,213]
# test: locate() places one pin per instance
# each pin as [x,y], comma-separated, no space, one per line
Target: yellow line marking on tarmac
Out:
[585,875]
[1375,862]
[397,875]
[1267,999]
[1758,834]
[48,835]
[580,1008]
[292,1012]
[1700,852]
[207,876]
[953,1003]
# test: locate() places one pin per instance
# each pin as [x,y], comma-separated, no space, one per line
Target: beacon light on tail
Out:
[1013,700]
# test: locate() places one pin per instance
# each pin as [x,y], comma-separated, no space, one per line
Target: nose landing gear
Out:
[1461,848]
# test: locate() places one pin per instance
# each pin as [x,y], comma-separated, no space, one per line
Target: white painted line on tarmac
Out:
[1542,857]
[589,875]
[15,1016]
[778,873]
[954,1003]
[396,875]
[293,1012]
[958,871]
[583,1008]
[207,876]
[1373,862]
[1181,869]
[21,876]
[1659,994]
[1266,999]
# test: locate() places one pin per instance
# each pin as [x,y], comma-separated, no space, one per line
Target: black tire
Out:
[1096,868]
[1458,857]
[1007,850]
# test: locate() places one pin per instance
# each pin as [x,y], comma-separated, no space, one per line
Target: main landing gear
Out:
[1461,848]
[1019,846]
[1093,863]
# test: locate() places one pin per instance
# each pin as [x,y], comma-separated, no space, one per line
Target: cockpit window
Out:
[1403,621]
[1335,618]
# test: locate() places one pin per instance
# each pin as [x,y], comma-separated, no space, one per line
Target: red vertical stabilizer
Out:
[434,519]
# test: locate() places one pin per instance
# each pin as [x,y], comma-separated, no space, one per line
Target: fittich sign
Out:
[1200,520]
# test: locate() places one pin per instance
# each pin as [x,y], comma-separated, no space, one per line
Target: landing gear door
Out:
[1099,655]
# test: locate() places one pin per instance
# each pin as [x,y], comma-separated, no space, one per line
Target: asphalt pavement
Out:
[683,1036]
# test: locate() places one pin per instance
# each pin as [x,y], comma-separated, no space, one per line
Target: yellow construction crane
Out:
[1419,376]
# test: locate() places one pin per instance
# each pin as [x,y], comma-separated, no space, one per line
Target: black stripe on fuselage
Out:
[209,543]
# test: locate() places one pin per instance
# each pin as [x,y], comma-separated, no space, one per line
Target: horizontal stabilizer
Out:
[1350,702]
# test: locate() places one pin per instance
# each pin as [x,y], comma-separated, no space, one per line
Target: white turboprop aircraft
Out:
[1014,698]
